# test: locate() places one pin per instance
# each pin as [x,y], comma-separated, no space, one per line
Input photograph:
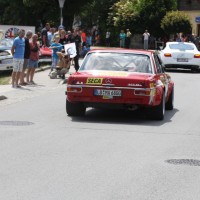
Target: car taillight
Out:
[149,91]
[196,55]
[168,55]
[145,92]
[74,88]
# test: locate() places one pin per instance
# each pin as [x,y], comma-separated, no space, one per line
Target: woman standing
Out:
[63,39]
[122,37]
[33,59]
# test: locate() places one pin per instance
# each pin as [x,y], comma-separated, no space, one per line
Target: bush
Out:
[176,22]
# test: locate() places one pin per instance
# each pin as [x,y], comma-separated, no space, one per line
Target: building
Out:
[192,9]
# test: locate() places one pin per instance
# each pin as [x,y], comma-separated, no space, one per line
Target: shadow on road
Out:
[123,117]
[184,71]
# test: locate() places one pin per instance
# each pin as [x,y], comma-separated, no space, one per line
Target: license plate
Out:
[182,59]
[114,93]
[7,61]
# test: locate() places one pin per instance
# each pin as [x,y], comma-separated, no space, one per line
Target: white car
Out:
[6,60]
[183,55]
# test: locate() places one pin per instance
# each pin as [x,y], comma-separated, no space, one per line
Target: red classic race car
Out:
[120,79]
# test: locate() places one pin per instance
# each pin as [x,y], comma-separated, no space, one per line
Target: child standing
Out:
[55,46]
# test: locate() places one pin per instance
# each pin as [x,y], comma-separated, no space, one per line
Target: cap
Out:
[61,27]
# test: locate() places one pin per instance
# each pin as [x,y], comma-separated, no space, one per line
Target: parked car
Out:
[183,55]
[120,79]
[6,44]
[45,55]
[6,60]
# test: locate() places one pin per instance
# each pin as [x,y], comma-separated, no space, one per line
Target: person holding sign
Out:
[75,38]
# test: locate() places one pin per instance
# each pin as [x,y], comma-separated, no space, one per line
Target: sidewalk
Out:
[9,95]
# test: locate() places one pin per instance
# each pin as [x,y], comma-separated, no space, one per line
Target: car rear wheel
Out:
[75,109]
[158,112]
[170,103]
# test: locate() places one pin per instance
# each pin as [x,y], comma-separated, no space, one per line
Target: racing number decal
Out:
[97,81]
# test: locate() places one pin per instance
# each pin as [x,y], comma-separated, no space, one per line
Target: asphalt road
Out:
[44,154]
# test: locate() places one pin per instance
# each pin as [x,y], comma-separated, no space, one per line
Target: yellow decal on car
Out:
[96,81]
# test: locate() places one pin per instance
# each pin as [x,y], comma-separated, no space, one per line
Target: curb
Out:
[40,69]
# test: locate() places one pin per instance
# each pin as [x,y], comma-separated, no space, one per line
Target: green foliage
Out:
[176,22]
[35,12]
[139,15]
[123,13]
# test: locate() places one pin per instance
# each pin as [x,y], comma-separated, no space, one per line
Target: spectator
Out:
[26,57]
[94,37]
[75,37]
[86,48]
[58,33]
[89,38]
[83,38]
[33,59]
[68,34]
[17,51]
[51,33]
[63,65]
[44,35]
[146,36]
[179,37]
[56,46]
[63,39]
[122,37]
[128,38]
[108,38]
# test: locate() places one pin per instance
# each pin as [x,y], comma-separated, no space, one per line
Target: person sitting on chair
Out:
[63,65]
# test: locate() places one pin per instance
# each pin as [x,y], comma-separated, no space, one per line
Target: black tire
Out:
[170,103]
[158,112]
[75,109]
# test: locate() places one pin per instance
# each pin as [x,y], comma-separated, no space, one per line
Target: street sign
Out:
[197,19]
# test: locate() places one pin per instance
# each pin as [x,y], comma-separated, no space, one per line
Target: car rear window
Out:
[117,62]
[181,46]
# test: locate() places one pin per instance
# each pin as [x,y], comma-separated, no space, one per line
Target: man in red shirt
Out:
[83,37]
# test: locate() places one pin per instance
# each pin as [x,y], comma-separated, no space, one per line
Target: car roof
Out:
[119,50]
[180,43]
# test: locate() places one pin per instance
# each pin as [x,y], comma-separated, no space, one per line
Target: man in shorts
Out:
[17,51]
[26,57]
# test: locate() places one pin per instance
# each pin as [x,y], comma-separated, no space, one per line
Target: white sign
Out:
[70,49]
[11,31]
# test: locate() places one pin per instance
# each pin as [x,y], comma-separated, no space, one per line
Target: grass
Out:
[5,77]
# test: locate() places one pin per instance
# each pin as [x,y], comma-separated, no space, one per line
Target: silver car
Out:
[6,58]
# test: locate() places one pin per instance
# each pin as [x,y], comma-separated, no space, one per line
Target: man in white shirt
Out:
[146,36]
[108,38]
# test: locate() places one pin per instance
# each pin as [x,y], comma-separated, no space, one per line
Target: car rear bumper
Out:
[129,98]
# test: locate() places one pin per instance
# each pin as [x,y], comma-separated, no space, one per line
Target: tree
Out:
[123,13]
[176,22]
[151,12]
[37,12]
[141,14]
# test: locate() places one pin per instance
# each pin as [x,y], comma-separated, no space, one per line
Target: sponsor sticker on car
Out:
[96,81]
